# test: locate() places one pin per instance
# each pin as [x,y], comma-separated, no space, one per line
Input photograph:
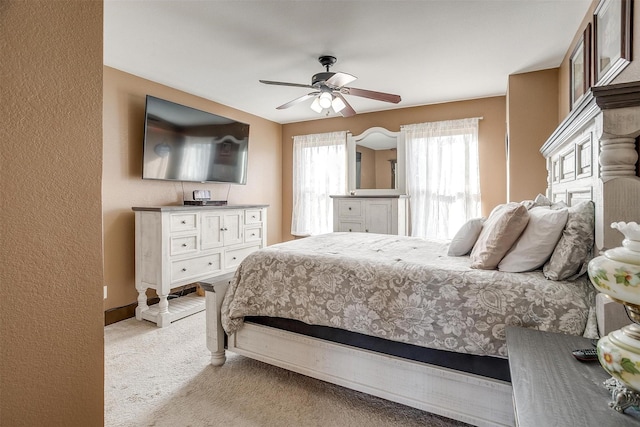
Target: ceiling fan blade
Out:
[297,100]
[347,111]
[340,79]
[269,82]
[379,96]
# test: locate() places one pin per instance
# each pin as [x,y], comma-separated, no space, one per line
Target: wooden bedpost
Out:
[593,155]
[214,294]
[617,128]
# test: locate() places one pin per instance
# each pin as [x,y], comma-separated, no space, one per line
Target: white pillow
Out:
[537,242]
[466,237]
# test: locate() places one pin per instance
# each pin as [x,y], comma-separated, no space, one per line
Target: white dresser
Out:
[178,245]
[371,214]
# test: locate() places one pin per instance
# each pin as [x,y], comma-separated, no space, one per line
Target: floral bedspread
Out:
[403,289]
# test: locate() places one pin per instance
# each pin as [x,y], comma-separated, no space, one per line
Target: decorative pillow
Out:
[499,233]
[466,237]
[537,242]
[528,204]
[574,246]
[541,200]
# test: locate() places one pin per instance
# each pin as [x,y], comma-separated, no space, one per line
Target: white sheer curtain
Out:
[442,176]
[319,170]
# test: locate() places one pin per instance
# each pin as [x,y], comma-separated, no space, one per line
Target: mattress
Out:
[402,289]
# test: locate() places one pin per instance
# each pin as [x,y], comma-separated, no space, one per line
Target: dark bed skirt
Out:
[486,366]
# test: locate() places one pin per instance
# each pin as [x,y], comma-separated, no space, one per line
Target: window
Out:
[442,176]
[319,171]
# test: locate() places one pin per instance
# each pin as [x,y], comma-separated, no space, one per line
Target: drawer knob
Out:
[253,216]
[184,245]
[349,229]
[210,263]
[349,208]
[183,221]
[366,231]
[253,234]
[234,258]
[184,269]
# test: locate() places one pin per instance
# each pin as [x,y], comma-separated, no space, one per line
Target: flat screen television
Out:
[185,144]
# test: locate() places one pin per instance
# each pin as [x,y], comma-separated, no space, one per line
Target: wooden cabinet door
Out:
[233,223]
[378,217]
[212,230]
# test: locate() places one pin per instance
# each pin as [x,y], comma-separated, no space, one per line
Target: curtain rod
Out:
[451,120]
[401,126]
[347,131]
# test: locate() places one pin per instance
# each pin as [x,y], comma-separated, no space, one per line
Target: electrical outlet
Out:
[105,291]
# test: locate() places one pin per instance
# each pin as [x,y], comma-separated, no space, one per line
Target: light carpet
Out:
[162,377]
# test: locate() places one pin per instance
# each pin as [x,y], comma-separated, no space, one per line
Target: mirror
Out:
[376,162]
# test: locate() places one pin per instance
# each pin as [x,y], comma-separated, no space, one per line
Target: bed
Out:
[438,342]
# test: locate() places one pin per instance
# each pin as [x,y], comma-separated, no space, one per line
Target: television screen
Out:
[185,144]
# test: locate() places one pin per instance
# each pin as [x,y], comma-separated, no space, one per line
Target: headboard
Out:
[593,155]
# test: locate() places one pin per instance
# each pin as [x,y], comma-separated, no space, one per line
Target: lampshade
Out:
[337,104]
[315,106]
[325,99]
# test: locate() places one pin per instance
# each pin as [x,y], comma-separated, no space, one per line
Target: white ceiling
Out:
[428,51]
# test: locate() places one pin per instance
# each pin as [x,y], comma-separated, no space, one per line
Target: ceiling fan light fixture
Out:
[325,99]
[327,89]
[315,105]
[337,104]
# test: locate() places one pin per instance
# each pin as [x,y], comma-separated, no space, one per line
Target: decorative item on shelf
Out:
[617,274]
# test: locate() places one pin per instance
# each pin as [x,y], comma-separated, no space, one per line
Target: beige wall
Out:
[491,138]
[123,187]
[51,320]
[532,117]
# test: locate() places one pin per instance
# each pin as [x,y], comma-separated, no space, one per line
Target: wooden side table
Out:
[552,388]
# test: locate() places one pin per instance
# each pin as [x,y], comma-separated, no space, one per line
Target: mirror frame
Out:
[352,141]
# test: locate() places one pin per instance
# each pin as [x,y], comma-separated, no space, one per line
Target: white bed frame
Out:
[591,156]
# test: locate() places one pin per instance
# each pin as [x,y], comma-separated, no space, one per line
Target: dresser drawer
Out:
[252,234]
[351,226]
[183,222]
[183,245]
[350,208]
[233,257]
[253,216]
[196,267]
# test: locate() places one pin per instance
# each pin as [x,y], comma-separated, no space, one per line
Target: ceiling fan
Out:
[329,88]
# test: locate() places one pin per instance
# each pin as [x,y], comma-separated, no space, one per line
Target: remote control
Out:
[585,355]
